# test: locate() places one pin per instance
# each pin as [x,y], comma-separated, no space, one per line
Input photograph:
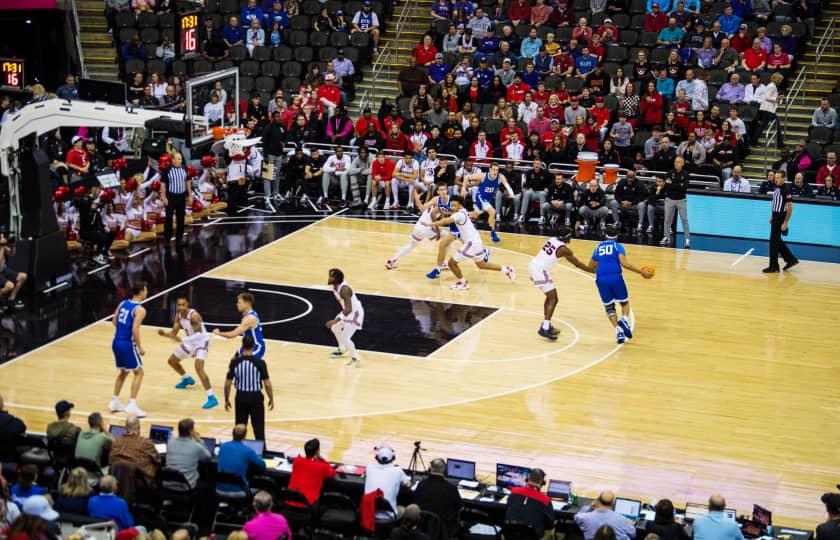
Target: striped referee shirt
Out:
[247,373]
[175,179]
[781,196]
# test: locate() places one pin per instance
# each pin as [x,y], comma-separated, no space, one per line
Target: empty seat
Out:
[246,84]
[222,65]
[229,7]
[360,39]
[304,54]
[126,34]
[319,39]
[291,69]
[147,19]
[282,53]
[311,8]
[166,20]
[202,66]
[291,85]
[150,35]
[261,54]
[617,54]
[819,135]
[156,65]
[135,66]
[125,20]
[298,38]
[266,84]
[326,54]
[299,22]
[179,68]
[339,39]
[238,53]
[621,20]
[628,38]
[249,68]
[648,39]
[270,68]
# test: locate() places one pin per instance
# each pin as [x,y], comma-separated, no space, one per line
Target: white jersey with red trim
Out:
[429,170]
[134,218]
[547,256]
[357,312]
[466,228]
[186,323]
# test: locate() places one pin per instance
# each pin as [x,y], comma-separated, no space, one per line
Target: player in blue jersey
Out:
[606,263]
[485,197]
[127,349]
[250,325]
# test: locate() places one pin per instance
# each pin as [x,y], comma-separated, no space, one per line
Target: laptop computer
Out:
[730,513]
[256,445]
[628,508]
[510,476]
[559,490]
[116,431]
[210,443]
[160,434]
[460,469]
[695,510]
[762,515]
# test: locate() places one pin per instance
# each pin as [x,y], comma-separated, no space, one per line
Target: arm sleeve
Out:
[230,374]
[263,370]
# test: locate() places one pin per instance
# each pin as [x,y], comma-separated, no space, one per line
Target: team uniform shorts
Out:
[126,355]
[424,232]
[540,278]
[196,346]
[470,250]
[612,289]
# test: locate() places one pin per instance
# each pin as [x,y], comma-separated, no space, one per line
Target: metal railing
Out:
[385,55]
[76,31]
[826,41]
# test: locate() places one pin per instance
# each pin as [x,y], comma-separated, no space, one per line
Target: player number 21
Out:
[123,316]
[605,250]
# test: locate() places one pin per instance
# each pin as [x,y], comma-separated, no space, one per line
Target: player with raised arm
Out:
[195,344]
[557,247]
[485,199]
[349,319]
[127,348]
[608,258]
[421,231]
[473,247]
[250,324]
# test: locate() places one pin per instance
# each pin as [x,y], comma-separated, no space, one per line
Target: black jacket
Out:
[635,193]
[435,494]
[587,196]
[273,138]
[565,192]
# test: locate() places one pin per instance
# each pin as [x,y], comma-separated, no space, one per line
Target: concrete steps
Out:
[97,44]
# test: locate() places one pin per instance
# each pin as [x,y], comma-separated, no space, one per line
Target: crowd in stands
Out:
[88,476]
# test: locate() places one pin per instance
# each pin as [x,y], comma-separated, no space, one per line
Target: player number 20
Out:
[605,250]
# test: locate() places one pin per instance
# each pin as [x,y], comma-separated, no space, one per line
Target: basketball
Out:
[650,269]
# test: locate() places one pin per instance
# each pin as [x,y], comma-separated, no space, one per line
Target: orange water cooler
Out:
[587,161]
[610,174]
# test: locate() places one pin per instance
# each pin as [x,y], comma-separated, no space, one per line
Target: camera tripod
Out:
[417,459]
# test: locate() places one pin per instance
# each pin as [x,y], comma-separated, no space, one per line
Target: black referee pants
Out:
[777,243]
[250,404]
[177,205]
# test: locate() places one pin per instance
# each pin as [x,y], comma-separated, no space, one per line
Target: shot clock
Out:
[188,25]
[11,73]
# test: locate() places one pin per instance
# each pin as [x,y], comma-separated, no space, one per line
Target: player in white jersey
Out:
[429,212]
[473,246]
[349,319]
[406,174]
[195,344]
[539,271]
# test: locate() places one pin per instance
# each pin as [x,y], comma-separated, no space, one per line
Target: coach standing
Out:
[782,210]
[676,184]
[249,374]
[176,193]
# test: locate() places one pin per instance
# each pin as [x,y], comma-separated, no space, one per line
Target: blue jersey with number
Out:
[125,321]
[606,254]
[365,20]
[257,334]
[446,210]
[488,187]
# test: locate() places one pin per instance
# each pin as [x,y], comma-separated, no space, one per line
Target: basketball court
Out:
[706,398]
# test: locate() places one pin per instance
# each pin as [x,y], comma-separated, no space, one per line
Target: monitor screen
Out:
[160,434]
[628,508]
[730,513]
[460,469]
[210,443]
[116,431]
[255,445]
[511,475]
[99,90]
[762,515]
[695,510]
[560,489]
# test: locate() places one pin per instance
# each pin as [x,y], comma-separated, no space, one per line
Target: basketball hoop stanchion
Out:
[416,459]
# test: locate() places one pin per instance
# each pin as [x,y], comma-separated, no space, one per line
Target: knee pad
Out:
[610,309]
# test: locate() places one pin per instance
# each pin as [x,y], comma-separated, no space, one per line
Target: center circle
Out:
[307,310]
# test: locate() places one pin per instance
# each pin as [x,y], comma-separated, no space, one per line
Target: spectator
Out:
[11,426]
[112,8]
[671,36]
[622,132]
[585,63]
[336,170]
[732,91]
[729,22]
[73,496]
[367,21]
[754,92]
[728,58]
[385,475]
[663,524]
[656,4]
[93,443]
[38,506]
[663,159]
[829,189]
[767,110]
[250,13]
[593,207]
[26,485]
[655,20]
[479,23]
[62,432]
[561,198]
[630,194]
[540,13]
[166,50]
[360,168]
[254,36]
[715,525]
[107,505]
[309,473]
[803,11]
[529,505]
[410,79]
[561,15]
[742,40]
[829,170]
[435,494]
[11,280]
[824,115]
[232,33]
[655,200]
[800,187]
[676,184]
[755,59]
[215,49]
[235,457]
[725,157]
[787,40]
[409,525]
[438,69]
[534,189]
[266,525]
[382,173]
[600,512]
[68,90]
[519,11]
[736,183]
[278,15]
[441,11]
[133,50]
[424,54]
[830,529]
[136,450]
[530,45]
[779,60]
[184,452]
[451,41]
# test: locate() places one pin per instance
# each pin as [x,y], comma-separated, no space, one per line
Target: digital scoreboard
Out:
[11,73]
[188,26]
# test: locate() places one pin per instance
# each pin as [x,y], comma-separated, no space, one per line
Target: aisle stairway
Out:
[97,43]
[396,54]
[799,117]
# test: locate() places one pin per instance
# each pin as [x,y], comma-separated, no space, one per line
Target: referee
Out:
[249,374]
[176,193]
[781,212]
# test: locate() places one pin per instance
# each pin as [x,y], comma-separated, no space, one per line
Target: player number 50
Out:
[605,250]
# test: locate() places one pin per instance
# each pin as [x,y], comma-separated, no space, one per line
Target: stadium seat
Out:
[291,69]
[832,148]
[291,85]
[246,84]
[125,34]
[151,36]
[135,66]
[261,54]
[563,34]
[326,54]
[304,54]
[621,20]
[311,8]
[249,68]
[211,6]
[352,54]
[597,19]
[611,102]
[339,39]
[441,27]
[616,53]
[659,55]
[270,68]
[179,68]
[748,111]
[147,19]
[298,38]
[125,20]
[522,62]
[628,38]
[819,135]
[637,21]
[166,20]
[266,84]
[718,76]
[336,512]
[521,30]
[222,65]
[638,6]
[518,530]
[156,65]
[229,7]
[238,53]
[299,22]
[202,66]
[610,68]
[360,40]
[283,53]
[574,85]
[648,39]
[815,150]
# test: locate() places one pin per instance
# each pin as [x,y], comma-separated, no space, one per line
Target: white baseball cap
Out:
[385,454]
